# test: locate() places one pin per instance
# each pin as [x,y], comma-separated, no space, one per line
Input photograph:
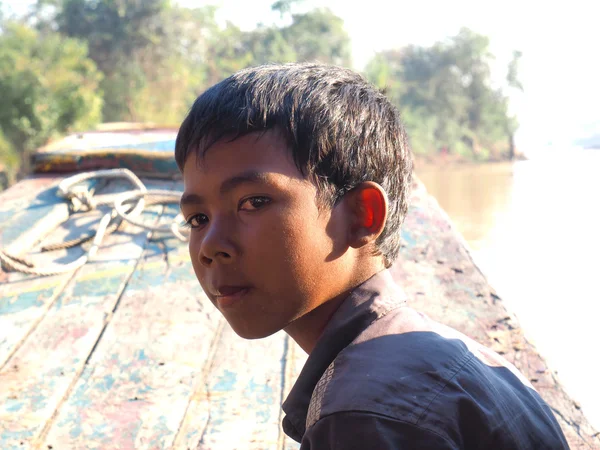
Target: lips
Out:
[228,296]
[226,291]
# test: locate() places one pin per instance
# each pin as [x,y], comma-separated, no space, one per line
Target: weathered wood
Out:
[28,211]
[441,280]
[145,151]
[42,371]
[164,371]
[24,299]
[140,378]
[244,390]
[295,359]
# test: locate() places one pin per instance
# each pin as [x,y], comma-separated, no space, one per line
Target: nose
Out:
[216,246]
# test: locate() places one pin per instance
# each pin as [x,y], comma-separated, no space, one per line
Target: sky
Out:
[560,67]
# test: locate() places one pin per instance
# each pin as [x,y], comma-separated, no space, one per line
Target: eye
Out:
[254,203]
[196,221]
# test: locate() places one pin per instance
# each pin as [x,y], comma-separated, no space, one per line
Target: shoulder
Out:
[397,374]
[410,372]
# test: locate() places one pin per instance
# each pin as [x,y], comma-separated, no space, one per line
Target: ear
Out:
[368,207]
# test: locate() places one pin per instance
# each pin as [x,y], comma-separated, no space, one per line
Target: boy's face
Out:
[263,251]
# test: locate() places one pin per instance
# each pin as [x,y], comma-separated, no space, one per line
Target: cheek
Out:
[303,246]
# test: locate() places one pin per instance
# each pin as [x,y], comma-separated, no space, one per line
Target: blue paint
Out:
[135,377]
[76,430]
[106,383]
[158,146]
[5,216]
[13,405]
[261,397]
[78,402]
[40,401]
[26,300]
[15,435]
[50,195]
[408,237]
[144,390]
[167,145]
[225,382]
[140,355]
[160,432]
[27,219]
[100,287]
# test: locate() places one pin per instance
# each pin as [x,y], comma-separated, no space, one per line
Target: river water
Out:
[534,229]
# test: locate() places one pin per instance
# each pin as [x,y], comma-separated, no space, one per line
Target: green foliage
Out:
[72,63]
[319,35]
[156,57]
[122,37]
[9,161]
[47,86]
[446,98]
[284,6]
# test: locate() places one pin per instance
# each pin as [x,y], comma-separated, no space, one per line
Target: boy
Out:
[296,184]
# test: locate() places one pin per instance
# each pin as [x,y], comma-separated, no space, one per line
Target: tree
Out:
[48,86]
[120,35]
[319,35]
[269,45]
[513,81]
[284,7]
[446,98]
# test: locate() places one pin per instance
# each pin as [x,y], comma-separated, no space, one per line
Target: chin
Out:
[250,332]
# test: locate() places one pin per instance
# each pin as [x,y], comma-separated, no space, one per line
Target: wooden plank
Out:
[198,399]
[24,299]
[29,211]
[441,279]
[212,420]
[34,210]
[27,193]
[244,395]
[43,370]
[138,383]
[147,152]
[294,362]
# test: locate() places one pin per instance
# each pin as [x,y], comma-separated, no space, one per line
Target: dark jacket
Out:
[383,376]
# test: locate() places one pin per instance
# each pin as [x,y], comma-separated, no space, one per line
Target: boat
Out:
[108,342]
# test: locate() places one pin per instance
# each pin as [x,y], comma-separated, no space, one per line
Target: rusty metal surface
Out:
[128,353]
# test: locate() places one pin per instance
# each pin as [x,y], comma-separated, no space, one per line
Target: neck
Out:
[307,330]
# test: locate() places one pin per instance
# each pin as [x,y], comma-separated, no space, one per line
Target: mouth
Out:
[228,296]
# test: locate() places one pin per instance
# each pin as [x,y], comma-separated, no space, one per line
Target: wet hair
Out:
[341,131]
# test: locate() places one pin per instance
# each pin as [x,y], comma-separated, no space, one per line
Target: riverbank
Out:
[438,159]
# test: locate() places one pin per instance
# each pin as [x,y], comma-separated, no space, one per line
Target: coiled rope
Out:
[126,207]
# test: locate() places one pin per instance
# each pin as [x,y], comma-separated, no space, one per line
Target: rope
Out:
[126,207]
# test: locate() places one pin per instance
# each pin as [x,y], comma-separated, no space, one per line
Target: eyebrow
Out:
[227,186]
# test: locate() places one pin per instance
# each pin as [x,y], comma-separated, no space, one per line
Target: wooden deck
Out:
[128,353]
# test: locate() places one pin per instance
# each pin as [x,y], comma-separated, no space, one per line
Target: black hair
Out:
[341,131]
